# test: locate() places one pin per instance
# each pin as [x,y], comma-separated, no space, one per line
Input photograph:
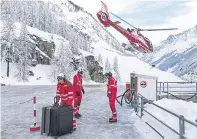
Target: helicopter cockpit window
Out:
[103,16]
[148,41]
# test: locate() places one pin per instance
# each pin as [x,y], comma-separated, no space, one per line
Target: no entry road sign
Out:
[143,84]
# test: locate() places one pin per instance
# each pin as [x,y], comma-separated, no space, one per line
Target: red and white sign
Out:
[143,84]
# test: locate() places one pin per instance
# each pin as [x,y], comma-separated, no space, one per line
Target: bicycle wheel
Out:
[128,96]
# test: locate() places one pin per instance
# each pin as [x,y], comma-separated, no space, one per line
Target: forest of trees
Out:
[43,16]
[48,17]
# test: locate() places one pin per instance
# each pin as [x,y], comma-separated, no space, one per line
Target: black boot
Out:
[78,116]
[112,120]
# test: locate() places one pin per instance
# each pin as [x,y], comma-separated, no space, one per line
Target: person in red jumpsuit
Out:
[78,90]
[111,94]
[64,94]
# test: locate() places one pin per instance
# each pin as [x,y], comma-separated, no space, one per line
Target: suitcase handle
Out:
[55,102]
[57,105]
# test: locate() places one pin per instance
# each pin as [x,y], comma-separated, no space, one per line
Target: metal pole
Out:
[34,127]
[8,67]
[156,91]
[34,101]
[162,122]
[196,92]
[131,84]
[160,90]
[163,87]
[142,107]
[8,61]
[167,89]
[164,109]
[181,127]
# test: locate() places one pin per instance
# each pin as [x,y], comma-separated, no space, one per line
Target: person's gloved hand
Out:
[83,91]
[108,94]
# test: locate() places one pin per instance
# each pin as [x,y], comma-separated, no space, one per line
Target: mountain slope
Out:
[67,32]
[85,23]
[177,54]
[60,22]
[43,74]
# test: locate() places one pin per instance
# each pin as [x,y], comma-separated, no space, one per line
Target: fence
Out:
[177,90]
[181,118]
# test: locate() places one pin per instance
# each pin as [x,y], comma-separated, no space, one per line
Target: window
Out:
[148,41]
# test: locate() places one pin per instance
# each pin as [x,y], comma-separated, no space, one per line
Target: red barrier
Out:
[34,127]
[74,123]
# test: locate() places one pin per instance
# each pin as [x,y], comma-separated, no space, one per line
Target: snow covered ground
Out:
[42,75]
[187,109]
[17,118]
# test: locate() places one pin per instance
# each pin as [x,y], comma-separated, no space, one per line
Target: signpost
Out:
[143,84]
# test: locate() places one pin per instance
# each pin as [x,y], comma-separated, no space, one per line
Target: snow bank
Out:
[85,53]
[42,75]
[187,109]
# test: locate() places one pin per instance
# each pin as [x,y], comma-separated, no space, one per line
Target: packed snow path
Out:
[17,118]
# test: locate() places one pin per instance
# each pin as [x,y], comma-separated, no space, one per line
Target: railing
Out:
[178,90]
[181,118]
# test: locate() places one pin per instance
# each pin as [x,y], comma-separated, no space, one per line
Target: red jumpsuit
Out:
[112,92]
[64,94]
[77,89]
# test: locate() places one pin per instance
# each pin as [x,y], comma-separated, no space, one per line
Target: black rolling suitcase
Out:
[57,120]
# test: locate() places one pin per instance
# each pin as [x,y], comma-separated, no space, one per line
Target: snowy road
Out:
[17,118]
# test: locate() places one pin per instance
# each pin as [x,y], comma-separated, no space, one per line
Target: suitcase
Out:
[57,120]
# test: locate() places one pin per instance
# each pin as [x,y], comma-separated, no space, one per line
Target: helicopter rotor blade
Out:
[158,29]
[139,29]
[123,20]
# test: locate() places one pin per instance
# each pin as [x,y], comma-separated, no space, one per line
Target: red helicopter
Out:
[136,39]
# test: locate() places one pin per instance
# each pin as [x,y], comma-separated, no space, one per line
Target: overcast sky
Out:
[180,14]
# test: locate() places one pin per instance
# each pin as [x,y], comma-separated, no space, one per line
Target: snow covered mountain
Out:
[74,28]
[177,54]
[64,37]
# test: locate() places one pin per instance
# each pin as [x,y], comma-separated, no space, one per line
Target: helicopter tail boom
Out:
[103,16]
[104,9]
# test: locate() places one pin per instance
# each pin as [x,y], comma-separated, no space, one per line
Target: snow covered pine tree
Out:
[116,69]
